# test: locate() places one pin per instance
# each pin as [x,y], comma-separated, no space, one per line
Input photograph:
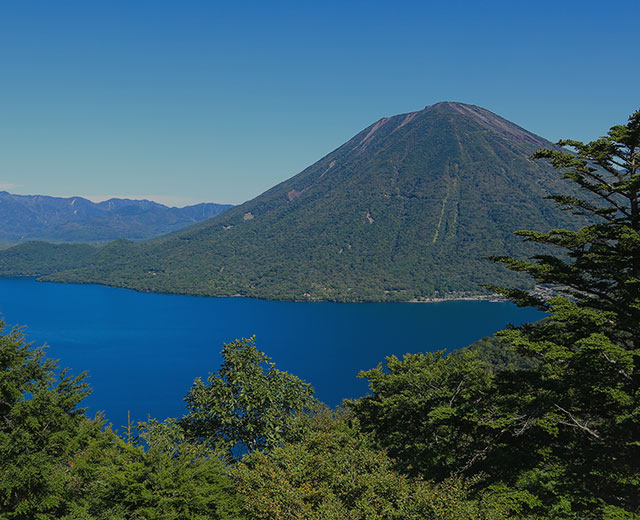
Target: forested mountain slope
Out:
[75,219]
[408,208]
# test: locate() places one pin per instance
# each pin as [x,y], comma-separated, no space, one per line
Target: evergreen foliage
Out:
[580,410]
[498,355]
[426,411]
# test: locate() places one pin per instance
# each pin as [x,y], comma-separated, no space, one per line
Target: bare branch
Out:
[456,392]
[575,423]
[620,370]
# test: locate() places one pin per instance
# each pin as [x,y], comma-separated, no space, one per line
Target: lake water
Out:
[142,351]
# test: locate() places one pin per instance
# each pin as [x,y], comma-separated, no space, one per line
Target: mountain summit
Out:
[408,208]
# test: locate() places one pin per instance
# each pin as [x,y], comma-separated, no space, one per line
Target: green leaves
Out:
[164,479]
[582,410]
[333,473]
[426,410]
[41,427]
[247,405]
[57,464]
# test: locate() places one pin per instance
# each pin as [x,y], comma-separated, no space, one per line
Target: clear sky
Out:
[188,101]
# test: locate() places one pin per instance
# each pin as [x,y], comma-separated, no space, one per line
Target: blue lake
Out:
[142,351]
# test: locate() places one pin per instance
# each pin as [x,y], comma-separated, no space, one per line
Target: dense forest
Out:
[76,219]
[409,208]
[541,422]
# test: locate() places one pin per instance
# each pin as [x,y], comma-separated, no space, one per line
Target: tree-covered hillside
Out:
[408,208]
[75,219]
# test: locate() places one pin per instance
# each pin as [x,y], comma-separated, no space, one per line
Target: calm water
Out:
[142,351]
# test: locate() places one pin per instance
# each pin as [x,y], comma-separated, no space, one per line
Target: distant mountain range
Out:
[407,209]
[75,219]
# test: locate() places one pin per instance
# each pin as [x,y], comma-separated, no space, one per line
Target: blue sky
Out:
[190,101]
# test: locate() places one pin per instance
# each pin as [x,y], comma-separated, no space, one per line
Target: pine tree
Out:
[575,438]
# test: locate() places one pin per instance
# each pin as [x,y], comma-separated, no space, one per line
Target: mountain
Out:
[74,219]
[407,209]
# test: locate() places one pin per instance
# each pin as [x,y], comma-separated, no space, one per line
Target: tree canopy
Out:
[333,473]
[580,410]
[247,405]
[55,463]
[41,426]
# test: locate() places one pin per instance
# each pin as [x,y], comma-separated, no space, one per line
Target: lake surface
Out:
[142,351]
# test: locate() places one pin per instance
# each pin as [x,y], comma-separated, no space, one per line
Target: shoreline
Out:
[493,298]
